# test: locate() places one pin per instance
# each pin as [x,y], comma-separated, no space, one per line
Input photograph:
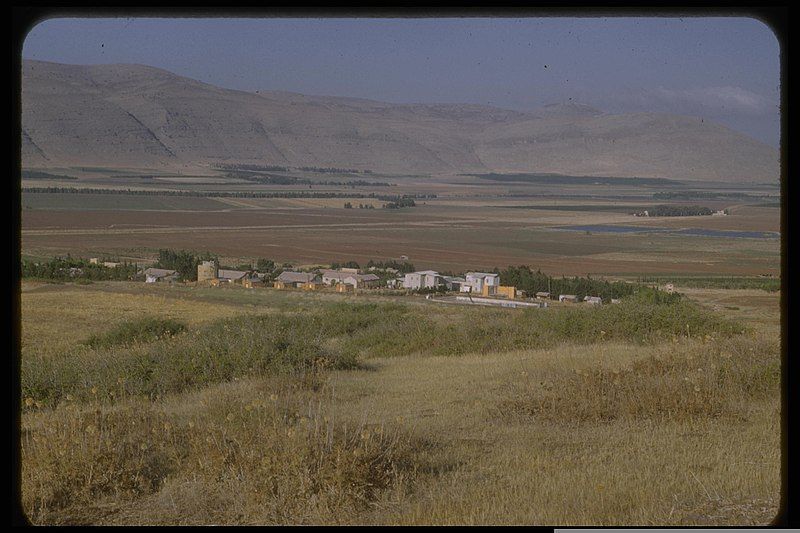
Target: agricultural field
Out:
[182,404]
[467,225]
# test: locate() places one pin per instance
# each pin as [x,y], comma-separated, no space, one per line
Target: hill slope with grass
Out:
[201,405]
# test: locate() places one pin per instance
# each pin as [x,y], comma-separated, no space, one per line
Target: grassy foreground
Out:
[266,407]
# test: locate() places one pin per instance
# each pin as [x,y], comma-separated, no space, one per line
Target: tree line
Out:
[707,195]
[277,168]
[184,262]
[272,179]
[400,203]
[524,278]
[677,211]
[70,268]
[226,194]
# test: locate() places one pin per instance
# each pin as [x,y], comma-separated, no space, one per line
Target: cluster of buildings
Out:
[483,284]
[208,272]
[480,283]
[343,279]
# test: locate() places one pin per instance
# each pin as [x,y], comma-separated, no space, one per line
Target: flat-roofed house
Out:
[594,300]
[478,280]
[424,279]
[543,295]
[156,275]
[568,298]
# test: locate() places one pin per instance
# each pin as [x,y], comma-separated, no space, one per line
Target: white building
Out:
[594,300]
[425,279]
[475,281]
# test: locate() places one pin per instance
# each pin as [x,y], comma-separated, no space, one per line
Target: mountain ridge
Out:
[129,115]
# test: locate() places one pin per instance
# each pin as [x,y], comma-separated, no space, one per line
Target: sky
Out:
[722,69]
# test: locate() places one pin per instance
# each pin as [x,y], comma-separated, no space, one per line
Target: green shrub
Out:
[337,336]
[145,329]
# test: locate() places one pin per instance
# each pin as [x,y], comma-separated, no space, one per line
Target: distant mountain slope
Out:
[139,116]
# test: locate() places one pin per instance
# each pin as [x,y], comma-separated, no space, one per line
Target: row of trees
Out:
[68,268]
[268,179]
[227,194]
[402,267]
[276,168]
[677,211]
[705,195]
[400,203]
[333,170]
[524,278]
[184,262]
[244,166]
[39,175]
[273,179]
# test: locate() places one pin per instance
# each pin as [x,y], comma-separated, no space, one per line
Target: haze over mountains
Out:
[140,116]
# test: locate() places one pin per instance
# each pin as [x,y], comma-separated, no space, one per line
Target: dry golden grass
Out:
[56,316]
[530,436]
[704,380]
[247,452]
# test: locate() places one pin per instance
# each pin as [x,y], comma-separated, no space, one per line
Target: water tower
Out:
[207,270]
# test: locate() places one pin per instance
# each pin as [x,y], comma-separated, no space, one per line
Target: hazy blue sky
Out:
[723,69]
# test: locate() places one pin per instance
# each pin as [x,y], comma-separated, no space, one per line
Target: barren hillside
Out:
[139,116]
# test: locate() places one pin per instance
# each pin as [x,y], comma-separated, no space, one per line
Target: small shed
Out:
[156,275]
[312,285]
[508,291]
[571,298]
[252,283]
[542,295]
[594,300]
